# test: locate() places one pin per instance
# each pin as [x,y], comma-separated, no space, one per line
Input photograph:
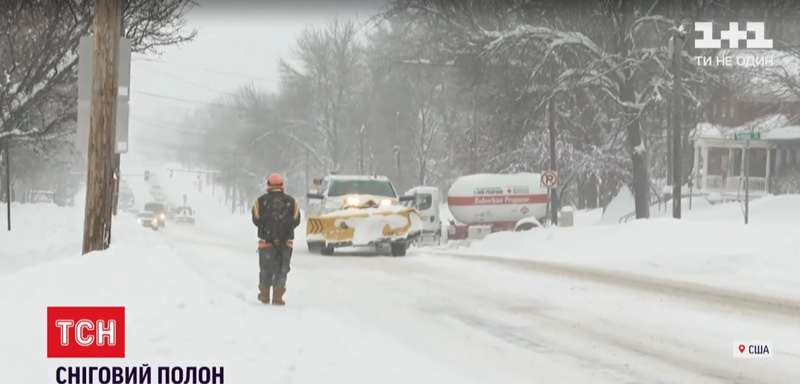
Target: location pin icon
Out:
[741,348]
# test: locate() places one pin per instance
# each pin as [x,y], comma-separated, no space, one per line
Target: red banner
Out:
[497,199]
[85,332]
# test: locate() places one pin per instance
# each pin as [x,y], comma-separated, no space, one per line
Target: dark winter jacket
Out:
[276,215]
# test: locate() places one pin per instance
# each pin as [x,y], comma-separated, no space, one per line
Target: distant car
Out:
[526,224]
[41,197]
[148,219]
[159,210]
[184,215]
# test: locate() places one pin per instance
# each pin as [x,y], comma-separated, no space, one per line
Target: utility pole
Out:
[747,181]
[116,179]
[99,181]
[551,127]
[675,115]
[7,159]
[233,197]
[398,165]
[361,135]
[306,173]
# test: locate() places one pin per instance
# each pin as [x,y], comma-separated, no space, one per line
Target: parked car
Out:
[41,197]
[184,215]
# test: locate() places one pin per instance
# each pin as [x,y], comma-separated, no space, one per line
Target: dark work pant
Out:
[274,262]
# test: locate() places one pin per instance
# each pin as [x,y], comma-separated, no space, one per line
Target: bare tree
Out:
[329,61]
[38,56]
[566,47]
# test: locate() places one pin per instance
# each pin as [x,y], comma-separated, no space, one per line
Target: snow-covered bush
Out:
[789,182]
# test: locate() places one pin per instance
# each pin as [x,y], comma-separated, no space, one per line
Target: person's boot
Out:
[277,296]
[263,294]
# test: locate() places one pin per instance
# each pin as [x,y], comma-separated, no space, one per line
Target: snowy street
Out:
[498,322]
[433,316]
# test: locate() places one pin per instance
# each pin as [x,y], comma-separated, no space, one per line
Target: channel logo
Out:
[753,350]
[85,332]
[733,35]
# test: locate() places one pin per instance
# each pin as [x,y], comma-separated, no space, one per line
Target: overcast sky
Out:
[238,43]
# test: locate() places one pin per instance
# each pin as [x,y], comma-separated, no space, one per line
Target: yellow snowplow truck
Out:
[359,211]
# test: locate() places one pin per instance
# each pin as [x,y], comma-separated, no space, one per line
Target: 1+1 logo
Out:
[85,332]
[734,36]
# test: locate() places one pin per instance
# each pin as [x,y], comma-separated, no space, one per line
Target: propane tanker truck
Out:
[483,203]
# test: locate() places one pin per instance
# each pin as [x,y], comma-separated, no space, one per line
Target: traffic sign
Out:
[549,179]
[85,72]
[743,136]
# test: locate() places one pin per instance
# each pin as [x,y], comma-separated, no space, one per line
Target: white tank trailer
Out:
[496,200]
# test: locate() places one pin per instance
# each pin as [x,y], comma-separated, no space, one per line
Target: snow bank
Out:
[712,246]
[40,232]
[621,205]
[584,217]
[183,309]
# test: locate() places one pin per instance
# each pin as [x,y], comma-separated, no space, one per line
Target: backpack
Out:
[278,214]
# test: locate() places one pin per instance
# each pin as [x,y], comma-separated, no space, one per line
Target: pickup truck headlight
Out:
[386,203]
[352,201]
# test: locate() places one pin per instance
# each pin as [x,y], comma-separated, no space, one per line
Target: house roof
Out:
[771,127]
[785,133]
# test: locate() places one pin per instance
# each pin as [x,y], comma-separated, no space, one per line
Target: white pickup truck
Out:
[359,211]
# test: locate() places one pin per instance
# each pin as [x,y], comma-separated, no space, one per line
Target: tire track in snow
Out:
[541,333]
[727,298]
[442,284]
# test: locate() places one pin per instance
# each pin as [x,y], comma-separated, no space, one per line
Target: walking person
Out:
[276,215]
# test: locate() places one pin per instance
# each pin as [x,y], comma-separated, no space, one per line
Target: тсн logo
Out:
[85,332]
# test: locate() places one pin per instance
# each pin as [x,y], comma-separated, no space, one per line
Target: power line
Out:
[206,69]
[194,102]
[196,84]
[172,127]
[173,98]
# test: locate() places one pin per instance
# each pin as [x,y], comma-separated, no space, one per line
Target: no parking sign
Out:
[549,179]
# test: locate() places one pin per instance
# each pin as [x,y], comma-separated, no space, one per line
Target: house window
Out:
[772,161]
[757,162]
[737,162]
[718,161]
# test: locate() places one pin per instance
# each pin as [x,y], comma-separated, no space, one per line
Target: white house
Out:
[719,157]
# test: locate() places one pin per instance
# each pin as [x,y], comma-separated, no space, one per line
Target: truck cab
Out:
[426,200]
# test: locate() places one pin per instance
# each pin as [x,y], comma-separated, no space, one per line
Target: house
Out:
[764,105]
[719,157]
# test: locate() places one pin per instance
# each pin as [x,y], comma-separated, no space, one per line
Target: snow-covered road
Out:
[438,317]
[514,308]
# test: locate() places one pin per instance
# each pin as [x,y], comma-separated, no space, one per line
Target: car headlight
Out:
[386,203]
[162,216]
[154,222]
[352,201]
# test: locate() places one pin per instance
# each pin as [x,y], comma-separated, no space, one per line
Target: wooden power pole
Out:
[99,180]
[551,128]
[675,123]
[7,160]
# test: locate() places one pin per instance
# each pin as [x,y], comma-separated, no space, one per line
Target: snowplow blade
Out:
[363,227]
